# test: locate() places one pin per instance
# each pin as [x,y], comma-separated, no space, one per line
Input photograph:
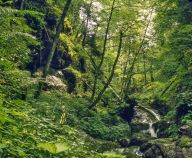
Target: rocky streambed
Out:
[149,139]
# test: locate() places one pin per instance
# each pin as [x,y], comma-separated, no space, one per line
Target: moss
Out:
[141,136]
[131,152]
[66,45]
[185,142]
[67,26]
[113,155]
[71,70]
[162,141]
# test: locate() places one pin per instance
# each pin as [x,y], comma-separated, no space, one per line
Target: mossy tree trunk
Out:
[56,38]
[99,97]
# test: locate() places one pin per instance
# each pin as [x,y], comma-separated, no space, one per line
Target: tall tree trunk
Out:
[111,75]
[103,53]
[56,38]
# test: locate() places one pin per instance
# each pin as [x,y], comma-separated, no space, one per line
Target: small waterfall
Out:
[152,131]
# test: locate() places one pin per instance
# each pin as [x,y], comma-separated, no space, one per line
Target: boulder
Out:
[161,127]
[140,117]
[160,148]
[137,127]
[167,148]
[185,130]
[140,138]
[54,83]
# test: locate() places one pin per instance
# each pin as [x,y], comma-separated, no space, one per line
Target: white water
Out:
[152,131]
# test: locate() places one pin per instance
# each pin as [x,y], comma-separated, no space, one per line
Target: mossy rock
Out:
[162,127]
[163,141]
[165,147]
[136,127]
[113,155]
[73,71]
[66,45]
[185,142]
[131,152]
[72,76]
[140,138]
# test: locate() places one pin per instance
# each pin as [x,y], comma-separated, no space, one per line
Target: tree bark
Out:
[111,75]
[56,38]
[103,53]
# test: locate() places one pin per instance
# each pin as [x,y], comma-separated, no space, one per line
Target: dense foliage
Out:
[77,75]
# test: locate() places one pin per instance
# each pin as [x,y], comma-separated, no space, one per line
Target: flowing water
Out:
[152,131]
[153,117]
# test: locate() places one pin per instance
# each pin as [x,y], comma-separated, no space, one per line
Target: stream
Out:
[146,116]
[151,118]
[152,131]
[142,124]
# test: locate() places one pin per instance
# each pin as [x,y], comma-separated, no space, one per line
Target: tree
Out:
[97,73]
[98,98]
[56,37]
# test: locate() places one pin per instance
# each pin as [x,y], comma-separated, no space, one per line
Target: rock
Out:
[54,83]
[185,130]
[154,152]
[160,148]
[187,152]
[140,138]
[161,127]
[137,127]
[132,152]
[167,148]
[140,117]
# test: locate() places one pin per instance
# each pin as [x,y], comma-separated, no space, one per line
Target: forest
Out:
[95,78]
